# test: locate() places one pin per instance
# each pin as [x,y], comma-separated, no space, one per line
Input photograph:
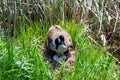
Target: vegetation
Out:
[92,24]
[21,57]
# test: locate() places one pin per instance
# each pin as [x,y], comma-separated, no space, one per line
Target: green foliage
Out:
[21,58]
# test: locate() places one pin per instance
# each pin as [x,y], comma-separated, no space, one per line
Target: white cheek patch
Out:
[59,40]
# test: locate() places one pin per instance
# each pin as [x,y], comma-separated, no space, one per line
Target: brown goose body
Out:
[58,41]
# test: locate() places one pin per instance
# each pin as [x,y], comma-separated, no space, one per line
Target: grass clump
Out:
[21,58]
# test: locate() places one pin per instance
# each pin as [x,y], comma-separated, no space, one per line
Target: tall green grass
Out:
[21,57]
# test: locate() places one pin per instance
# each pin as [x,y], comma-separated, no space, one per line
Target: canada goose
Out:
[58,42]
